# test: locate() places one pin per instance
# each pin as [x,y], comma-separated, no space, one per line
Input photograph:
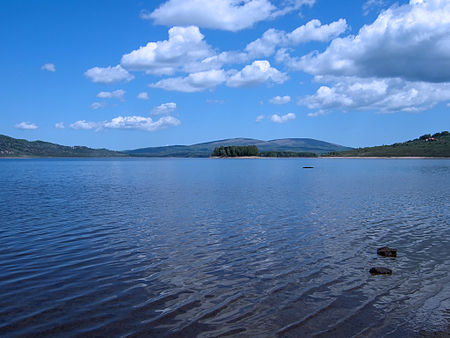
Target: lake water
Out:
[240,247]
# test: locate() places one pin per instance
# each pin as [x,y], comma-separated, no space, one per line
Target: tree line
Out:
[239,151]
[235,151]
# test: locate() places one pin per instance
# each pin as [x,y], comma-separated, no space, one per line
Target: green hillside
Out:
[11,147]
[436,145]
[298,145]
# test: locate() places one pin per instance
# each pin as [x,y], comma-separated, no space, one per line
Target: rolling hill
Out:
[205,149]
[12,147]
[436,145]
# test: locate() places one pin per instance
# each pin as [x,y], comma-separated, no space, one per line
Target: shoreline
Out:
[236,157]
[389,157]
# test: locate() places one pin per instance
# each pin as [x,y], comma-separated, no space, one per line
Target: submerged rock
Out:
[387,252]
[380,271]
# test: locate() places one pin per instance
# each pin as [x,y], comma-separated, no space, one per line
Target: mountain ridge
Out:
[205,149]
[13,147]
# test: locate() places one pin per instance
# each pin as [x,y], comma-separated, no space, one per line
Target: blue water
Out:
[241,247]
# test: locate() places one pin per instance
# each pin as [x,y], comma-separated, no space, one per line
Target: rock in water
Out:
[380,271]
[387,252]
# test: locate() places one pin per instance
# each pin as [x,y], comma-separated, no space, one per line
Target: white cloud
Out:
[129,122]
[60,125]
[143,96]
[256,74]
[165,108]
[84,125]
[251,75]
[374,94]
[280,99]
[194,82]
[315,31]
[26,126]
[312,31]
[216,61]
[98,105]
[259,118]
[232,15]
[141,123]
[283,118]
[49,67]
[411,42]
[116,94]
[108,74]
[265,45]
[370,5]
[184,50]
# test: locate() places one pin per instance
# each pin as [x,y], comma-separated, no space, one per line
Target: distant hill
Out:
[205,149]
[436,145]
[11,147]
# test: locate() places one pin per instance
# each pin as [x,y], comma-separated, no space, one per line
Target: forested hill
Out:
[205,149]
[11,147]
[436,145]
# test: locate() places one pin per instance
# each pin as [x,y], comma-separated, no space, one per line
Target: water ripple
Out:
[223,248]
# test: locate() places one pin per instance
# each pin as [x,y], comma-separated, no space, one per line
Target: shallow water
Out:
[201,247]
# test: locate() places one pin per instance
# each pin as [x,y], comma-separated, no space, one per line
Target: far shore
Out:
[235,157]
[340,157]
[389,157]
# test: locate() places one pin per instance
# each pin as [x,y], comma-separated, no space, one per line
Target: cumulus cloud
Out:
[194,82]
[252,75]
[116,94]
[108,74]
[256,74]
[84,125]
[60,125]
[411,42]
[165,108]
[280,99]
[98,105]
[231,15]
[312,31]
[370,5]
[143,96]
[49,67]
[374,94]
[259,118]
[283,118]
[184,50]
[26,126]
[129,122]
[141,123]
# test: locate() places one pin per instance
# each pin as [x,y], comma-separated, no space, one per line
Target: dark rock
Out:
[387,252]
[380,271]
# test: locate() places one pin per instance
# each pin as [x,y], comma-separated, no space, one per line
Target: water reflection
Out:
[215,247]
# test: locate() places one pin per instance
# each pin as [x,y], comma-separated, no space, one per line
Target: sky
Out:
[128,74]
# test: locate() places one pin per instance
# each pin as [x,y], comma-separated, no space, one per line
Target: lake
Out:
[217,247]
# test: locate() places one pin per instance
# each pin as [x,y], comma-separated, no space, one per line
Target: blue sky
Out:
[131,74]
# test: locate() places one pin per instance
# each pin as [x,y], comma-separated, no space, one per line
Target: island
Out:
[252,151]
